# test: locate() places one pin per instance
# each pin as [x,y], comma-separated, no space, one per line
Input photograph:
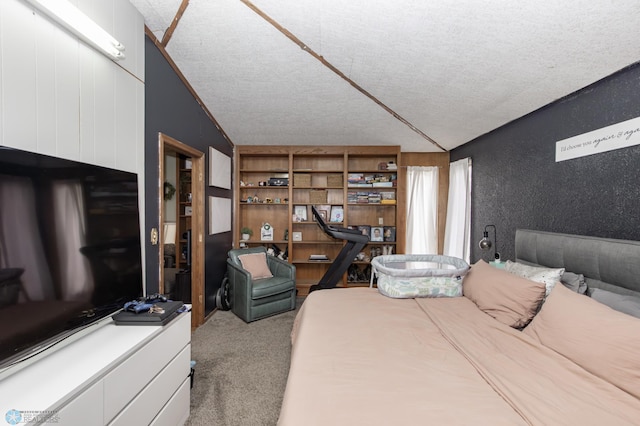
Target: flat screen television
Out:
[70,250]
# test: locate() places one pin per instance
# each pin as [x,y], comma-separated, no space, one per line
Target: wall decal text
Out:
[616,136]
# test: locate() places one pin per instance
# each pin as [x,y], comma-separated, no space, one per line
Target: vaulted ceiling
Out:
[424,74]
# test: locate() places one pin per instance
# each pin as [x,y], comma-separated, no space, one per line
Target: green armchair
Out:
[254,299]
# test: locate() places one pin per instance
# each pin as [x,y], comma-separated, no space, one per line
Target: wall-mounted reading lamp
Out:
[485,242]
[81,25]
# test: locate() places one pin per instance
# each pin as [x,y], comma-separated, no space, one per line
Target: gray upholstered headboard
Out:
[608,264]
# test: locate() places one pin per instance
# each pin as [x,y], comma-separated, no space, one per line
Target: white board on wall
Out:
[616,136]
[219,215]
[219,169]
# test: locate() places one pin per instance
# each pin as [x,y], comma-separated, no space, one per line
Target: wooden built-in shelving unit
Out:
[312,173]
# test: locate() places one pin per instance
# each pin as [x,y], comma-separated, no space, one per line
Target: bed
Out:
[514,350]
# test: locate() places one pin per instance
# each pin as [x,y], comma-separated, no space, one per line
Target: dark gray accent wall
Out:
[171,109]
[516,182]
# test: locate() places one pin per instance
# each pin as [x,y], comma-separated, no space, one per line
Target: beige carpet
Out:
[241,369]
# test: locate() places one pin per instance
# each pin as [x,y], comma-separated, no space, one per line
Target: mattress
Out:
[361,358]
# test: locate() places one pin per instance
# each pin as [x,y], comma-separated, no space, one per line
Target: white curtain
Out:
[422,210]
[457,235]
[70,226]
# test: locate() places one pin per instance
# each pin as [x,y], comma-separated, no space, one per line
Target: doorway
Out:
[181,251]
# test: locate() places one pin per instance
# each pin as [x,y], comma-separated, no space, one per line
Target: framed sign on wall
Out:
[219,169]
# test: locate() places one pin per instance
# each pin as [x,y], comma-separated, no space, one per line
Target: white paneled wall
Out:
[61,97]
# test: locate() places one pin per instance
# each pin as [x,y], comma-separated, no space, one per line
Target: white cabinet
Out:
[115,375]
[144,407]
[85,409]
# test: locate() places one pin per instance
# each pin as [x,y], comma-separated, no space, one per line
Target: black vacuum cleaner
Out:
[355,242]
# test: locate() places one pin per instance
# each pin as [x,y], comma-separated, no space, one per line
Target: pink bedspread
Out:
[360,358]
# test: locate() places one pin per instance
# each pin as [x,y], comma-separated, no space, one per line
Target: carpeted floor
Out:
[241,369]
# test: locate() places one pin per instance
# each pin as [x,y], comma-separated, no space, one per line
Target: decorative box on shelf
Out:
[277,181]
[334,180]
[301,179]
[318,196]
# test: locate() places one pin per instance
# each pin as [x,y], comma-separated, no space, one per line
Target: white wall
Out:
[61,97]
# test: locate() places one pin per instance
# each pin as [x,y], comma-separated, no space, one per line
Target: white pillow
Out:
[549,276]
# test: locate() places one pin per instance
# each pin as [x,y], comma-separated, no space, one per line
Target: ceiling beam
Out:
[174,24]
[339,73]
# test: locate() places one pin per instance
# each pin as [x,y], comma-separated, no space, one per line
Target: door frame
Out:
[167,143]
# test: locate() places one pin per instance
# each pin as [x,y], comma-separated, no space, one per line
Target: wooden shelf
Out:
[260,242]
[338,242]
[325,166]
[183,222]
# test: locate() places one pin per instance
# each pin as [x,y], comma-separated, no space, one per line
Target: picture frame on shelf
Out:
[377,233]
[365,230]
[337,214]
[390,234]
[323,210]
[296,236]
[300,213]
[266,232]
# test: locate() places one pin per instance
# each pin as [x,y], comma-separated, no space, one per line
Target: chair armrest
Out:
[237,274]
[281,268]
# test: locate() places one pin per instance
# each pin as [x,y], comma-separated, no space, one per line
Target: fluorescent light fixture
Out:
[81,25]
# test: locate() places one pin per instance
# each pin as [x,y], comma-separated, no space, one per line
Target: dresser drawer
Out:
[85,409]
[124,382]
[150,401]
[176,412]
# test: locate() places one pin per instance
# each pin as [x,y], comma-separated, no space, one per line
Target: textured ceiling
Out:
[414,70]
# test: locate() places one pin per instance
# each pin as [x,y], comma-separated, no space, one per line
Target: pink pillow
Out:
[510,299]
[601,340]
[256,265]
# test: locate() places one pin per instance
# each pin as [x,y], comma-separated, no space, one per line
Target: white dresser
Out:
[115,375]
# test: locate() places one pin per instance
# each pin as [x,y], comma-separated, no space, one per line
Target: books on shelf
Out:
[388,195]
[377,180]
[355,179]
[371,197]
[374,198]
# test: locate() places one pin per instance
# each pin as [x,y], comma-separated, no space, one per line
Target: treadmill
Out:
[355,242]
